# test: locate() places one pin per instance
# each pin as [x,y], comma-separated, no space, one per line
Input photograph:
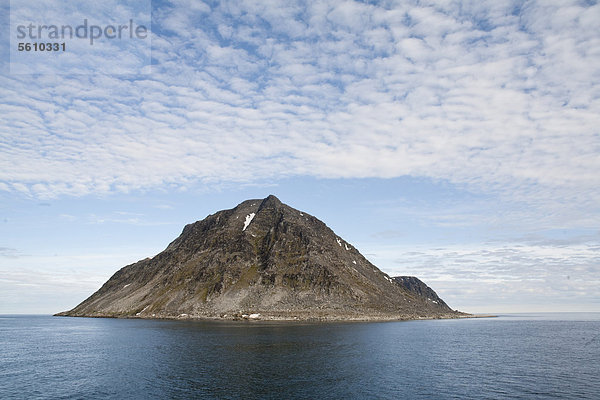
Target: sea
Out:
[516,356]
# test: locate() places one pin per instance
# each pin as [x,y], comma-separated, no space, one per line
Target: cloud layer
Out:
[52,283]
[497,96]
[512,276]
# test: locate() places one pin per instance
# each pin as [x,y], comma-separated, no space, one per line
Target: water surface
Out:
[527,356]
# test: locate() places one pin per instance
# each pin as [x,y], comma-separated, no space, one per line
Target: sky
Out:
[456,141]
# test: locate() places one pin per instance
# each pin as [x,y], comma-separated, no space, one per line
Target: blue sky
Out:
[454,141]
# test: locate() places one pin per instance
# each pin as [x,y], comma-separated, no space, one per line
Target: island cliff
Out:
[261,260]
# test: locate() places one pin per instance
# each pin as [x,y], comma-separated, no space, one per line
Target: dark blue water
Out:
[520,357]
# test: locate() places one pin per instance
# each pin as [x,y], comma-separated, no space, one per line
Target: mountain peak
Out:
[270,201]
[261,257]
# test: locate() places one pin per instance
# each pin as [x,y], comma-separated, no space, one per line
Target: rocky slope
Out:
[264,260]
[419,288]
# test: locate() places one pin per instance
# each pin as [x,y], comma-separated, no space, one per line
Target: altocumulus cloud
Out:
[503,276]
[499,96]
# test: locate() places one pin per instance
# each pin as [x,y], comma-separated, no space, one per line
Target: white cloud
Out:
[497,277]
[49,283]
[502,103]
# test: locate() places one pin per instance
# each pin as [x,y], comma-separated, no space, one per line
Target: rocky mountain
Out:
[263,260]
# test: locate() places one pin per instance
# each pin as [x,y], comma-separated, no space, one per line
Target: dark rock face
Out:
[261,257]
[419,288]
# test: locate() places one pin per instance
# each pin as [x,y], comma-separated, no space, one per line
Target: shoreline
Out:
[258,317]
